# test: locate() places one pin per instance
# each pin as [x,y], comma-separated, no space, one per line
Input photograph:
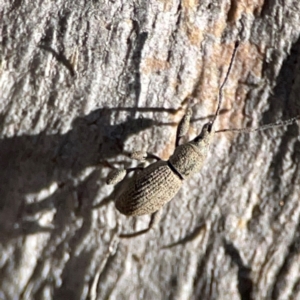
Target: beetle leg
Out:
[142,156]
[152,156]
[134,169]
[183,126]
[155,218]
[117,175]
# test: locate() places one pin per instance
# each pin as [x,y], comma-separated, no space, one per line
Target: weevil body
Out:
[150,189]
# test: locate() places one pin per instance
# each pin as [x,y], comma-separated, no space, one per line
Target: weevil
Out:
[150,188]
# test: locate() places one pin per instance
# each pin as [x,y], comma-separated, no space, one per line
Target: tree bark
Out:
[82,83]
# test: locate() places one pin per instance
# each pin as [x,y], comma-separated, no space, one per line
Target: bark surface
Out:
[81,82]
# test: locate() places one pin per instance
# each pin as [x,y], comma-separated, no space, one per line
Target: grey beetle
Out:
[150,188]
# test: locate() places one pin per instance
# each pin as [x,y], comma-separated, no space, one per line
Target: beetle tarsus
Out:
[152,156]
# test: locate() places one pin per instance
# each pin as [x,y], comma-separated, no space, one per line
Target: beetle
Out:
[150,188]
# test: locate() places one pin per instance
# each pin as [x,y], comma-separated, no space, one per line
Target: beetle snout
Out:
[206,130]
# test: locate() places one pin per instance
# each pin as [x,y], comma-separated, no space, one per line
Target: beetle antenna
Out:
[264,127]
[236,45]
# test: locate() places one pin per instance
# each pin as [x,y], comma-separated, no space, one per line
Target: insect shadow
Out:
[31,163]
[245,284]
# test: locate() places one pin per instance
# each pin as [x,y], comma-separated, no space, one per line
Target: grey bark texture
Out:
[82,82]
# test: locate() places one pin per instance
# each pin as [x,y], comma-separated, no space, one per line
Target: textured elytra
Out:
[148,190]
